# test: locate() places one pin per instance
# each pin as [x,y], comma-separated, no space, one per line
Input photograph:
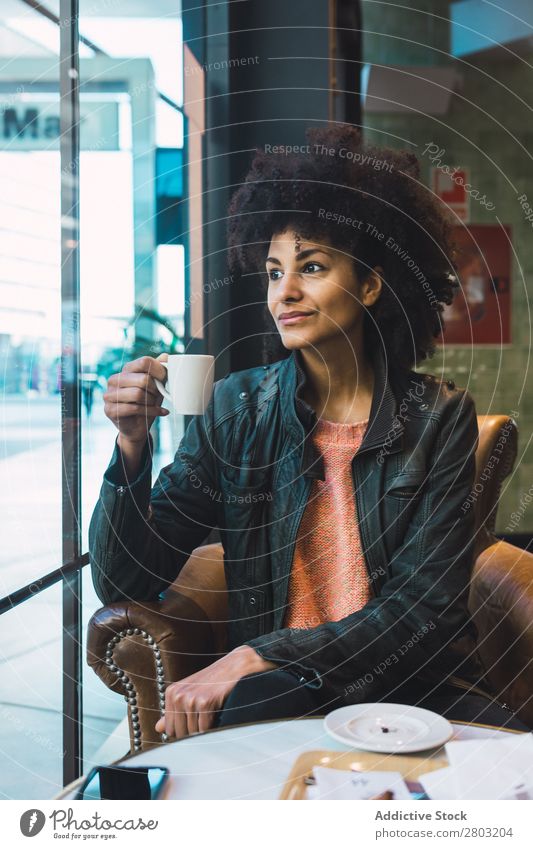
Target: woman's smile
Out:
[294,317]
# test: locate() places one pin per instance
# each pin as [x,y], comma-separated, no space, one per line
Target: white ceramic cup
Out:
[190,382]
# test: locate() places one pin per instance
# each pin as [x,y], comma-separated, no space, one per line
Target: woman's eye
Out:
[306,266]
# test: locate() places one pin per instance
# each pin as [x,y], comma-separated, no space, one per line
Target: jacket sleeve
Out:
[423,603]
[140,537]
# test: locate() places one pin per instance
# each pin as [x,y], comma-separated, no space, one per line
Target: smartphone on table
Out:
[124,782]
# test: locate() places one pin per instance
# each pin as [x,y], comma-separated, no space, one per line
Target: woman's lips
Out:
[294,319]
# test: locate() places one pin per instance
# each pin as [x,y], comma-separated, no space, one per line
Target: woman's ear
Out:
[372,285]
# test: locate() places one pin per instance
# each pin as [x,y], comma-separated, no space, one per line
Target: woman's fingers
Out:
[206,720]
[132,401]
[133,380]
[146,365]
[122,411]
[186,712]
[175,717]
[169,722]
[130,395]
[192,720]
[170,714]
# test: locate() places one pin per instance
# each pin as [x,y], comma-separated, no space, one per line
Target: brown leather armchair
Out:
[138,648]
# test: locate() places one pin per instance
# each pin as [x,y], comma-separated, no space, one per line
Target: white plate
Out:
[388,727]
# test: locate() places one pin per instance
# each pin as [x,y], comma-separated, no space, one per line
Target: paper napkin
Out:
[348,784]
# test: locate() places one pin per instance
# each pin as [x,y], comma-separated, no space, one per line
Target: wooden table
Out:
[252,761]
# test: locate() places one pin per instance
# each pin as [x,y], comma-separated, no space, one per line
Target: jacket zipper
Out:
[364,540]
[316,682]
[290,558]
[117,517]
[362,527]
[296,669]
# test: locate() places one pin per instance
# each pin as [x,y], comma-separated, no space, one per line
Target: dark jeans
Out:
[277,694]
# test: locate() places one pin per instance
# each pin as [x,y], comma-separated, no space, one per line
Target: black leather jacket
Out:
[246,467]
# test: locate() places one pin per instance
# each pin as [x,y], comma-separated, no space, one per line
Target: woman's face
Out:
[317,280]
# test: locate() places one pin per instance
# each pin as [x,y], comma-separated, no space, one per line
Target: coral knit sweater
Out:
[329,579]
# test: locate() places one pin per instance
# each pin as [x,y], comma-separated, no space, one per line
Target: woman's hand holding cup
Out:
[132,401]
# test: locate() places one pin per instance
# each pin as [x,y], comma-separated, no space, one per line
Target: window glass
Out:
[132,262]
[30,292]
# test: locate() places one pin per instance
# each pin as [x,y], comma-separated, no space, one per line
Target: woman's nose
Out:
[290,287]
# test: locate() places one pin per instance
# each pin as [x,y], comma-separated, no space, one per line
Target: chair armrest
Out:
[138,648]
[501,603]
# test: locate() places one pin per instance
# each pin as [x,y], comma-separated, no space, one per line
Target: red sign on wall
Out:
[450,188]
[481,310]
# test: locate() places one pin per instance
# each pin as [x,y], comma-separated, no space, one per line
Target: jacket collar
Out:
[384,426]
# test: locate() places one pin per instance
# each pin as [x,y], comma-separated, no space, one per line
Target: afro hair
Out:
[368,202]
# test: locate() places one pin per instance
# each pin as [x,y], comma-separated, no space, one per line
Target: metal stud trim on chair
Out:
[130,695]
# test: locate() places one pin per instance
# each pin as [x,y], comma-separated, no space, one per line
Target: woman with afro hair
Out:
[369,204]
[348,575]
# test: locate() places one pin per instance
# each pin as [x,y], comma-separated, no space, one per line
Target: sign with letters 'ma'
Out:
[33,124]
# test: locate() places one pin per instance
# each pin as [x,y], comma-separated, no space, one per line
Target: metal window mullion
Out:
[70,389]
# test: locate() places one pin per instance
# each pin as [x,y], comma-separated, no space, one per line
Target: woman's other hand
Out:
[191,704]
